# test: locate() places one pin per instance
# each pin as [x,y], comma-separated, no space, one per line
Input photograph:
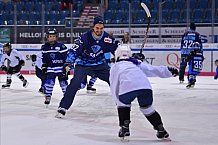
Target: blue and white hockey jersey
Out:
[195,63]
[54,56]
[188,39]
[89,51]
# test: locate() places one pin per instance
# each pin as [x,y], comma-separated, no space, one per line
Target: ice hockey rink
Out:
[189,115]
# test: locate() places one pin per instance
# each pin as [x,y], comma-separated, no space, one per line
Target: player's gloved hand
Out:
[44,68]
[66,70]
[174,71]
[112,60]
[33,58]
[139,56]
[4,68]
[21,63]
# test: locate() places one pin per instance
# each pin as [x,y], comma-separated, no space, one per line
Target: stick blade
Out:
[146,10]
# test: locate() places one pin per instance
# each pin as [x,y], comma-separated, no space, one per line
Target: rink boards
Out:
[156,54]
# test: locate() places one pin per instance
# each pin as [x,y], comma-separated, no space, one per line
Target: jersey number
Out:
[188,43]
[198,65]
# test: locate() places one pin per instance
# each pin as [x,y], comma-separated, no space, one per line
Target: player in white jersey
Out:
[129,80]
[15,63]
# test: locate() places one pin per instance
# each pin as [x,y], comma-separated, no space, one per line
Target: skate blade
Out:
[91,92]
[166,139]
[59,115]
[5,87]
[124,139]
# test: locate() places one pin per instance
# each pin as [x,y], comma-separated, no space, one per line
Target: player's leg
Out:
[79,74]
[49,85]
[145,100]
[16,71]
[90,84]
[63,83]
[42,77]
[8,81]
[102,72]
[183,65]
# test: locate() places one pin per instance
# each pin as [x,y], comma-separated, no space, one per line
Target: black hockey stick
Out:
[149,21]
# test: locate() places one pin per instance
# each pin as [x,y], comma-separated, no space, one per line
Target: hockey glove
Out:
[139,56]
[4,68]
[44,68]
[21,63]
[174,71]
[66,70]
[33,58]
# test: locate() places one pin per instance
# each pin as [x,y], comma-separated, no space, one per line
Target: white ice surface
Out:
[190,116]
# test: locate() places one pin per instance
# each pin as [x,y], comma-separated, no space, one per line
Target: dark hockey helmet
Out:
[7,47]
[52,31]
[196,46]
[8,44]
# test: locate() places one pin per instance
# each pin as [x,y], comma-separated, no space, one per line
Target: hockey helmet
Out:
[196,46]
[123,52]
[51,31]
[7,47]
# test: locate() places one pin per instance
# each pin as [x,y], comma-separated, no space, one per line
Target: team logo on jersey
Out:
[57,48]
[108,40]
[52,55]
[96,48]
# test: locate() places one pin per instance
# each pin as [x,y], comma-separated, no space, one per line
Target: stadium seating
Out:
[173,12]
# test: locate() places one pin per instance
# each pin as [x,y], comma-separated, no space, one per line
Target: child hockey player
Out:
[195,62]
[129,80]
[15,62]
[54,55]
[37,60]
[216,74]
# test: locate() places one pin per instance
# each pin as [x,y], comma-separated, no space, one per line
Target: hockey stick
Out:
[149,21]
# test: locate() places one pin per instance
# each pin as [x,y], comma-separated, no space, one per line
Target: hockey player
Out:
[37,59]
[188,39]
[1,50]
[88,56]
[129,80]
[15,62]
[216,74]
[54,55]
[195,62]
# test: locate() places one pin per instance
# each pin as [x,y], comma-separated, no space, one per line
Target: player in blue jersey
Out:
[54,56]
[195,61]
[88,55]
[188,39]
[216,74]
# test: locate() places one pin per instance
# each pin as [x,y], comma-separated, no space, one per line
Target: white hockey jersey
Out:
[13,58]
[126,77]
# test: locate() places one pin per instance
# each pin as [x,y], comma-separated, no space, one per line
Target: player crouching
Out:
[129,80]
[195,62]
[15,63]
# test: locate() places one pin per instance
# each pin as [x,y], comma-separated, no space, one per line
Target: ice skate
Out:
[190,85]
[25,83]
[47,100]
[6,86]
[181,81]
[90,89]
[41,90]
[60,113]
[163,134]
[124,131]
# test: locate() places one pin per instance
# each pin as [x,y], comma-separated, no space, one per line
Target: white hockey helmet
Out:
[123,52]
